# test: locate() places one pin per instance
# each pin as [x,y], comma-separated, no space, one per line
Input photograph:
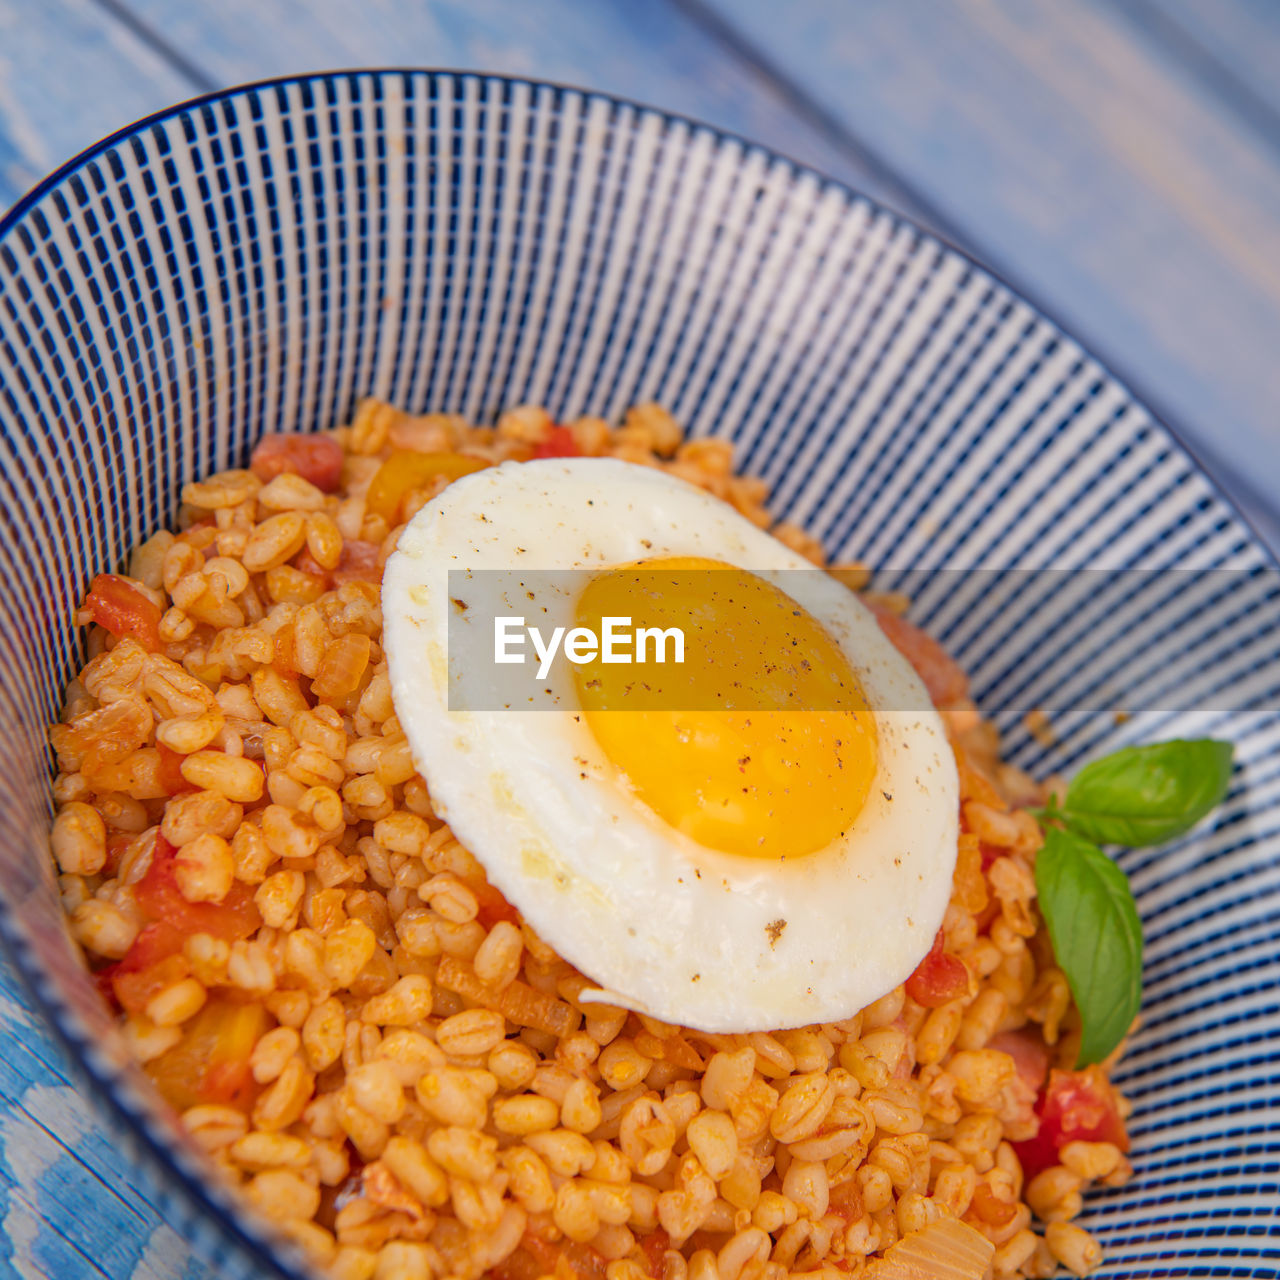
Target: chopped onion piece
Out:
[944,1250]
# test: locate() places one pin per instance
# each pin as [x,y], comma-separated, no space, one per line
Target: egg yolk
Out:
[759,743]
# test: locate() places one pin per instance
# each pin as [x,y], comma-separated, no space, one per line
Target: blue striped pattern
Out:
[258,261]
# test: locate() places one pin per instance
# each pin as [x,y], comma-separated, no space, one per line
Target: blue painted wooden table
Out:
[1118,161]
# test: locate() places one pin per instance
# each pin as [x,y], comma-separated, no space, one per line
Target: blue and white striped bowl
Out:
[258,260]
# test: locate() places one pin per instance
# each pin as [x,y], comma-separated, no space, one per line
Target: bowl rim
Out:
[259,1242]
[1137,392]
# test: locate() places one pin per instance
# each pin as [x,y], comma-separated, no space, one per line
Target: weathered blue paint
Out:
[1068,146]
[1089,166]
[69,73]
[70,1206]
[1233,46]
[652,52]
[1117,158]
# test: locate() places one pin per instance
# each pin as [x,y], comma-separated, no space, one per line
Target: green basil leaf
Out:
[1146,795]
[1096,934]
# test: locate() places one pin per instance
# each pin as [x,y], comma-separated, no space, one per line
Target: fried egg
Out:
[764,835]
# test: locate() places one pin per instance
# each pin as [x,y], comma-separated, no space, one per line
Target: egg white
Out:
[665,926]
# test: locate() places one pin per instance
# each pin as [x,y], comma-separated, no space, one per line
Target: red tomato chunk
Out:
[359,561]
[1029,1052]
[170,772]
[1077,1106]
[942,676]
[492,905]
[562,1258]
[153,963]
[316,459]
[939,978]
[157,894]
[155,960]
[558,444]
[118,606]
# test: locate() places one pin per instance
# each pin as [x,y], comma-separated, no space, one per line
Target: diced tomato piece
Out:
[116,845]
[210,1064]
[1038,1153]
[155,942]
[119,606]
[155,958]
[406,470]
[942,676]
[134,988]
[159,898]
[938,978]
[987,916]
[359,561]
[1077,1106]
[558,444]
[990,854]
[654,1246]
[170,772]
[846,1200]
[518,1265]
[305,562]
[317,459]
[1029,1052]
[582,1261]
[150,965]
[493,906]
[226,1078]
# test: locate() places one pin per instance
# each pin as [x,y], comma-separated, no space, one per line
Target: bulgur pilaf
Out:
[366,1039]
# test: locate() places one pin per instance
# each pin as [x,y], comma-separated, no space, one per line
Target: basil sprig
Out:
[1137,796]
[1096,934]
[1147,795]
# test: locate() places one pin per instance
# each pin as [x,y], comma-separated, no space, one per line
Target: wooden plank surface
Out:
[69,74]
[1089,167]
[70,1209]
[74,92]
[1118,159]
[1232,46]
[1053,141]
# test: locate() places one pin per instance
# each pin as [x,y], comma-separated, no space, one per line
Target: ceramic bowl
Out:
[259,259]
